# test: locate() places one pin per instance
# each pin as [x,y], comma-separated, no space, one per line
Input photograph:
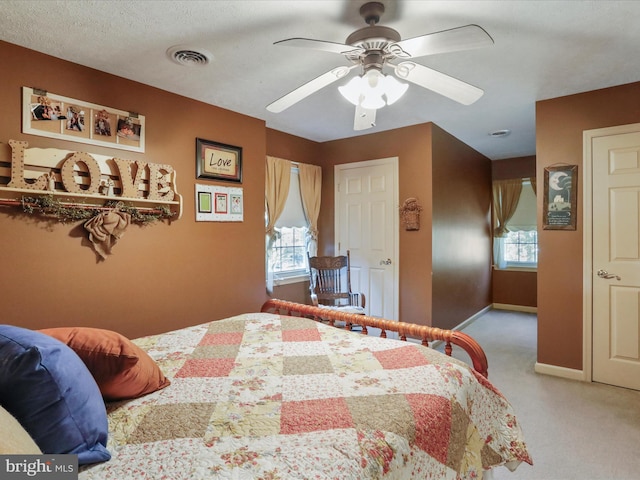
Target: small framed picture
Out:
[560,194]
[221,203]
[218,161]
[236,204]
[205,205]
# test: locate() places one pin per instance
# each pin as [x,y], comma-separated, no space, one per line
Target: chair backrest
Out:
[330,280]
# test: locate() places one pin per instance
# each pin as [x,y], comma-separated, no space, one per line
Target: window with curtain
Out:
[292,206]
[517,247]
[289,250]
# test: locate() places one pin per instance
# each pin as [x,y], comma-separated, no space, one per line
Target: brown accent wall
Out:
[560,123]
[519,167]
[452,183]
[162,276]
[412,146]
[512,287]
[461,214]
[515,287]
[166,276]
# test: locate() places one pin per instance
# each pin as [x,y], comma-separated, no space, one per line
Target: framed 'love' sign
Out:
[218,161]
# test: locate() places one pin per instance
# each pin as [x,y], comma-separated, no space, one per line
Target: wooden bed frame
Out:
[426,334]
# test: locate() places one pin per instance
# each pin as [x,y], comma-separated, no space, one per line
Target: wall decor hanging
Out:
[560,194]
[49,115]
[218,161]
[218,204]
[410,214]
[104,192]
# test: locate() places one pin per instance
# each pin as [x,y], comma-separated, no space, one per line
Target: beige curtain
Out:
[506,194]
[310,190]
[277,178]
[534,184]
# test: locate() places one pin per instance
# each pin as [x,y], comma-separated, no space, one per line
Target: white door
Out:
[366,224]
[616,258]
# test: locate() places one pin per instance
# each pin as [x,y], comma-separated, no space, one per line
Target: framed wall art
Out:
[204,203]
[218,161]
[216,203]
[49,115]
[560,194]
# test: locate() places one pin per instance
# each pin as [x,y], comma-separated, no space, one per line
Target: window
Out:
[519,247]
[289,251]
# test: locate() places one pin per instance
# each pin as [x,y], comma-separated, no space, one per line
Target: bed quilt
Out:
[264,396]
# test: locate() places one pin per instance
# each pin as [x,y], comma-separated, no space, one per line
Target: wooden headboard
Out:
[404,329]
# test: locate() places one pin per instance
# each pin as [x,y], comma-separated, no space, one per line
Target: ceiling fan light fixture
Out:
[372,101]
[394,89]
[371,89]
[353,90]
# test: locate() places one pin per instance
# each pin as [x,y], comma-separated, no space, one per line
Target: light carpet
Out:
[574,430]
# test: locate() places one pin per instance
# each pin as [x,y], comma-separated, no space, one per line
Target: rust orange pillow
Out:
[121,368]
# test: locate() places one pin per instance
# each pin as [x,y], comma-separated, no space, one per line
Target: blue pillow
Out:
[50,391]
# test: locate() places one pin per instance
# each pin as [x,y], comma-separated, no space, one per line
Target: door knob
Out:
[385,262]
[604,274]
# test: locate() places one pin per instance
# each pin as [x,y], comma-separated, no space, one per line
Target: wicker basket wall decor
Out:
[410,214]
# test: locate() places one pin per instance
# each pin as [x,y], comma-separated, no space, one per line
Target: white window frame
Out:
[291,276]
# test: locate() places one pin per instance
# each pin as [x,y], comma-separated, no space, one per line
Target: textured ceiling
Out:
[543,49]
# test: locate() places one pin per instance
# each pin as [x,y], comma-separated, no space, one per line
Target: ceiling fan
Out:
[373,48]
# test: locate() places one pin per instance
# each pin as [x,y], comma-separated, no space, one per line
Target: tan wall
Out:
[514,287]
[162,276]
[559,126]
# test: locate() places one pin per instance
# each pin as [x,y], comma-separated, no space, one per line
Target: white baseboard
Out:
[472,318]
[464,324]
[563,372]
[515,308]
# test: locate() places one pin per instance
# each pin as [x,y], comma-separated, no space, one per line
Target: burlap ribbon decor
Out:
[105,229]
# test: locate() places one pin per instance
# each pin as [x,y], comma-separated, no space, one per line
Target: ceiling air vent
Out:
[188,56]
[500,133]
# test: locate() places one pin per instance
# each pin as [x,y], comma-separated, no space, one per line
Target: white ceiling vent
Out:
[189,56]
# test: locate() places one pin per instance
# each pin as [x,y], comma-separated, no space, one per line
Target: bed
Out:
[284,394]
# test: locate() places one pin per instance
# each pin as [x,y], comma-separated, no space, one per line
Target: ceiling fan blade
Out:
[332,47]
[365,118]
[446,85]
[308,88]
[454,40]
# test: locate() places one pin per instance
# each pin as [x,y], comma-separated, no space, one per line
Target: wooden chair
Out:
[330,284]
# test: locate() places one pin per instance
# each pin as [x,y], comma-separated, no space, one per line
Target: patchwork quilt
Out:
[264,396]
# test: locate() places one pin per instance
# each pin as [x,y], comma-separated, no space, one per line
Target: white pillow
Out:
[14,438]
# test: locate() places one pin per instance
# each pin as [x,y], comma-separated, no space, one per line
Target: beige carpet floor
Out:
[574,430]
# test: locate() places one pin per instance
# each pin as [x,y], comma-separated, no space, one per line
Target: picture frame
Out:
[560,197]
[219,203]
[47,114]
[218,161]
[205,205]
